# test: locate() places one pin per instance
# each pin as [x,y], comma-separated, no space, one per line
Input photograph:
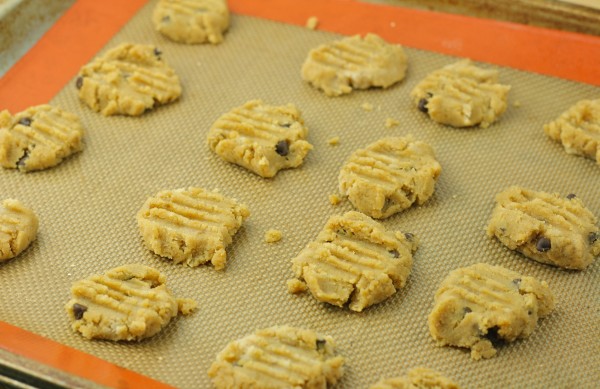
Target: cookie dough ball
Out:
[38,138]
[354,260]
[18,228]
[128,80]
[130,302]
[419,378]
[462,95]
[192,21]
[261,138]
[191,225]
[578,128]
[354,63]
[546,227]
[278,357]
[481,305]
[389,176]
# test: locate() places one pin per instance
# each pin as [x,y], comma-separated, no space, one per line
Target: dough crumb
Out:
[391,122]
[334,141]
[367,106]
[335,199]
[517,103]
[186,306]
[296,286]
[312,23]
[272,236]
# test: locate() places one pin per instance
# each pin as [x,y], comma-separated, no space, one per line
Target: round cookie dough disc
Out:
[18,228]
[38,138]
[419,378]
[192,21]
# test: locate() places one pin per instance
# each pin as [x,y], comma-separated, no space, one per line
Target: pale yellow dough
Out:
[481,305]
[418,378]
[192,21]
[130,302]
[462,95]
[128,80]
[354,63]
[546,227]
[389,176]
[354,261]
[261,138]
[277,358]
[578,129]
[18,228]
[38,138]
[191,225]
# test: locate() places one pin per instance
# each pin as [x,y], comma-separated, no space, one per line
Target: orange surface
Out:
[89,25]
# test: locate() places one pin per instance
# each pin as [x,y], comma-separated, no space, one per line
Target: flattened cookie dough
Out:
[278,357]
[18,228]
[262,138]
[191,225]
[546,227]
[354,63]
[192,21]
[578,129]
[38,138]
[461,95]
[128,80]
[354,260]
[482,305]
[130,302]
[418,378]
[389,176]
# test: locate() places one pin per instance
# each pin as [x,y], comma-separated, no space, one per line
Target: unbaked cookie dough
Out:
[128,80]
[354,63]
[546,227]
[191,225]
[38,138]
[482,305]
[578,129]
[462,95]
[192,21]
[278,357]
[389,176]
[18,228]
[418,378]
[130,302]
[354,260]
[262,138]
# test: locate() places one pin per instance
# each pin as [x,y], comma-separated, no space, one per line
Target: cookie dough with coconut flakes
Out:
[461,95]
[354,260]
[18,228]
[354,63]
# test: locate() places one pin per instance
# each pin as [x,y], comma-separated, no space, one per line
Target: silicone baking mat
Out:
[87,208]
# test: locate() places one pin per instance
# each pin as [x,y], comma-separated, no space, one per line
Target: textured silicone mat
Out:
[87,208]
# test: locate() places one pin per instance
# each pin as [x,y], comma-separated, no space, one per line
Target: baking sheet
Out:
[87,208]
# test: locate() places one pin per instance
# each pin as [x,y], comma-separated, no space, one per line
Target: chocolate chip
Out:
[493,335]
[23,160]
[592,237]
[286,125]
[166,18]
[282,148]
[79,310]
[543,245]
[157,52]
[409,236]
[571,196]
[395,253]
[423,105]
[79,82]
[467,310]
[25,122]
[516,281]
[321,344]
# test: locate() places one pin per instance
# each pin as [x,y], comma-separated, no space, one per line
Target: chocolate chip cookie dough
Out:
[354,260]
[261,138]
[418,378]
[389,176]
[278,357]
[18,228]
[191,225]
[546,227]
[461,95]
[192,21]
[479,306]
[128,80]
[38,138]
[578,129]
[354,63]
[130,302]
